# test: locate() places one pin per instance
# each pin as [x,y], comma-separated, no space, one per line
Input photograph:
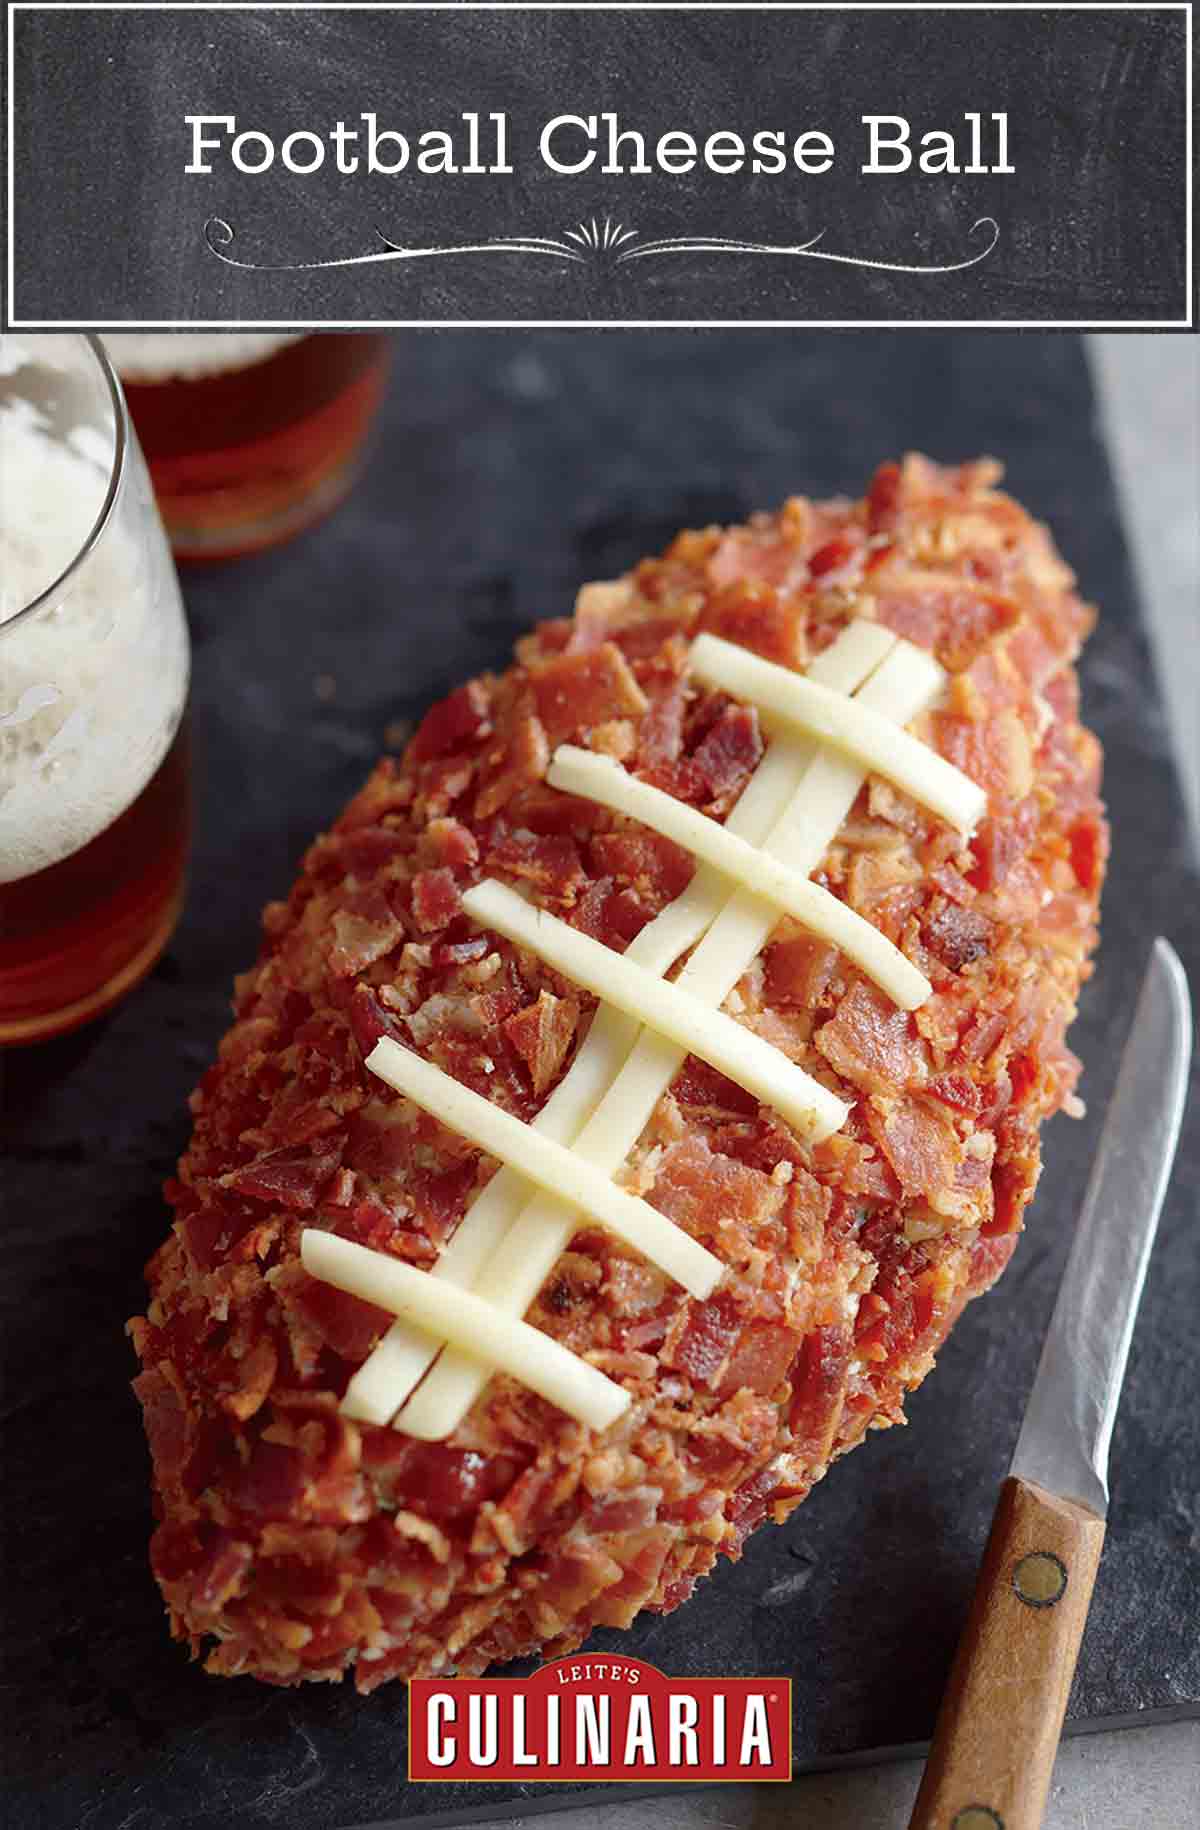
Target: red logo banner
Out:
[599,1719]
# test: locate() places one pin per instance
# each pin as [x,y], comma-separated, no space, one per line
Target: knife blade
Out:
[1064,1440]
[1001,1717]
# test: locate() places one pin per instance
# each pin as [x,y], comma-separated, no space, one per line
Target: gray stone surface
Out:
[656,439]
[1150,404]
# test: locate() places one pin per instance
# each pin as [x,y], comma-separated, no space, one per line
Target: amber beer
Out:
[93,685]
[249,436]
[79,934]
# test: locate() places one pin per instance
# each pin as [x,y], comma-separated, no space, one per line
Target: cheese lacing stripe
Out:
[547,1164]
[795,801]
[470,1322]
[727,1045]
[824,786]
[871,738]
[405,1354]
[598,778]
[476,1249]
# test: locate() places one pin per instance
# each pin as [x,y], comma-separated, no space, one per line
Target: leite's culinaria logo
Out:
[597,1719]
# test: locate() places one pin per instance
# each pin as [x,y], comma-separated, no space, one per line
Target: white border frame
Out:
[569,6]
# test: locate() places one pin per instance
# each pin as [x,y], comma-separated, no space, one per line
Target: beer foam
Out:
[93,684]
[156,356]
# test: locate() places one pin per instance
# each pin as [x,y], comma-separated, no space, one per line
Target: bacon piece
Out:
[221,1575]
[644,641]
[289,1180]
[988,1259]
[369,1021]
[438,1195]
[643,1554]
[601,608]
[344,1323]
[306,1580]
[958,937]
[581,690]
[453,722]
[1000,842]
[699,1084]
[448,954]
[761,1360]
[448,842]
[380,796]
[871,1043]
[654,866]
[609,914]
[708,1339]
[660,735]
[522,762]
[628,1511]
[213,1234]
[435,899]
[447,1484]
[552,865]
[747,560]
[366,850]
[255,1375]
[363,932]
[883,498]
[818,1387]
[809,1205]
[952,617]
[755,616]
[167,1420]
[729,754]
[1088,841]
[442,783]
[272,1483]
[541,1034]
[799,971]
[920,1143]
[957,1090]
[840,555]
[703,1191]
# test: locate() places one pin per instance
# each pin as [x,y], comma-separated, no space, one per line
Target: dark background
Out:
[509,470]
[1091,226]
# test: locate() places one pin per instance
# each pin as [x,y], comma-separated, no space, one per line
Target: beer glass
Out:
[93,684]
[249,435]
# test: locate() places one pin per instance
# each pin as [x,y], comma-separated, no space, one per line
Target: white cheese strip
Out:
[598,778]
[550,1165]
[871,737]
[725,1044]
[401,1358]
[473,1324]
[901,687]
[388,1374]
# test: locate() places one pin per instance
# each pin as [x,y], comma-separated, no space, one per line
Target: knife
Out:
[998,1729]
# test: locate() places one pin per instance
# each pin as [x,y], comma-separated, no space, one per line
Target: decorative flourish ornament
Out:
[609,244]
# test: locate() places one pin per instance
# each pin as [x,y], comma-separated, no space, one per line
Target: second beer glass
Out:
[93,684]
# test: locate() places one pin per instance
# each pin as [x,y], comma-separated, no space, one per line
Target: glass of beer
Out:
[249,435]
[93,685]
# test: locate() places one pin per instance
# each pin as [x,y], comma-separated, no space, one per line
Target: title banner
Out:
[178,165]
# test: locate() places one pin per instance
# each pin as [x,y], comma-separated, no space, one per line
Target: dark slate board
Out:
[509,469]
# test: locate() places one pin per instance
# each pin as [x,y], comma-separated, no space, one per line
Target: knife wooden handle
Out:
[997,1732]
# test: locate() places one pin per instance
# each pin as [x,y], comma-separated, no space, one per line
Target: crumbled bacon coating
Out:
[293,1544]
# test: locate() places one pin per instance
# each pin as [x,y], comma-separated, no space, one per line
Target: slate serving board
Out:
[509,469]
